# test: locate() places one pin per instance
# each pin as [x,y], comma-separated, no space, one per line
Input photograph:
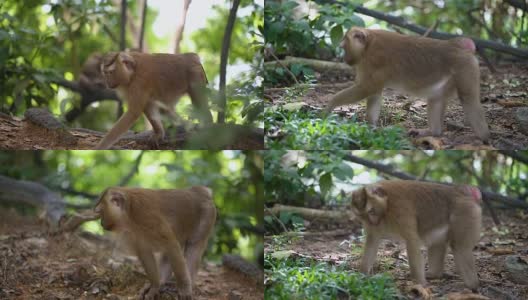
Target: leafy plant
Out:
[311,36]
[307,36]
[307,129]
[312,176]
[304,278]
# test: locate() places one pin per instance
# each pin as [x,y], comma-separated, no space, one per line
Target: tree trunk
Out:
[224,56]
[181,26]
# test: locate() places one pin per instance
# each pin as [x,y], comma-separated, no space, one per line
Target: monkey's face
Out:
[117,69]
[369,204]
[354,43]
[359,203]
[110,209]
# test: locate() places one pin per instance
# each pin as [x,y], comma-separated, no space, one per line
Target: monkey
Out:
[145,79]
[435,69]
[175,222]
[422,214]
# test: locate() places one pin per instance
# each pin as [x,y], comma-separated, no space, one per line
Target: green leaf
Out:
[344,172]
[289,5]
[336,34]
[285,217]
[296,69]
[325,183]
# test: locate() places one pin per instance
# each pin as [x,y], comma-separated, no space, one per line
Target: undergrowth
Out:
[304,278]
[308,129]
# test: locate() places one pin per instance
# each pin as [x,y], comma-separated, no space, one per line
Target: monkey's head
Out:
[117,69]
[354,42]
[111,208]
[369,204]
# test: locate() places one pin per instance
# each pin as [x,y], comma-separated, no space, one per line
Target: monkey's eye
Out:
[371,211]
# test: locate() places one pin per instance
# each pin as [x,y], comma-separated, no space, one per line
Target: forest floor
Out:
[510,239]
[34,265]
[502,94]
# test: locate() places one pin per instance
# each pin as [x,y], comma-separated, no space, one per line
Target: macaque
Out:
[144,79]
[422,214]
[175,222]
[430,68]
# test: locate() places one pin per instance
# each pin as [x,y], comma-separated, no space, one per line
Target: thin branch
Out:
[276,219]
[432,28]
[270,52]
[133,171]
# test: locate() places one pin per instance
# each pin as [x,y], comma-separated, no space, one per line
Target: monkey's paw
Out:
[155,140]
[148,292]
[185,294]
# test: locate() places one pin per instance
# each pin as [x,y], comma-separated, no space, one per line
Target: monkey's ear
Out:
[127,60]
[376,192]
[117,198]
[360,35]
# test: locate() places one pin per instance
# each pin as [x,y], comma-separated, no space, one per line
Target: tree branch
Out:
[398,21]
[133,170]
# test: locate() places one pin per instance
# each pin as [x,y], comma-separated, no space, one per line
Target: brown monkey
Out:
[422,214]
[143,79]
[434,69]
[175,222]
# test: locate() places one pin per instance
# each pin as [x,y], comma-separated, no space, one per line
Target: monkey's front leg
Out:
[351,95]
[370,251]
[416,261]
[151,290]
[122,125]
[179,268]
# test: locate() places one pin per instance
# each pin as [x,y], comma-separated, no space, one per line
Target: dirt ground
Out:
[501,95]
[495,245]
[34,265]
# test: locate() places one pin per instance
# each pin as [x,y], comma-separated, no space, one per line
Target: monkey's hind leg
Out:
[197,92]
[436,256]
[195,247]
[153,115]
[469,94]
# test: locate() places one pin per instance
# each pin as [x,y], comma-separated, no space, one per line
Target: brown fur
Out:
[175,222]
[430,68]
[420,213]
[142,79]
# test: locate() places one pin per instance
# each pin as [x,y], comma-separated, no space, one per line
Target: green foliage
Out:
[285,219]
[304,278]
[22,83]
[311,36]
[306,36]
[274,76]
[307,129]
[313,174]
